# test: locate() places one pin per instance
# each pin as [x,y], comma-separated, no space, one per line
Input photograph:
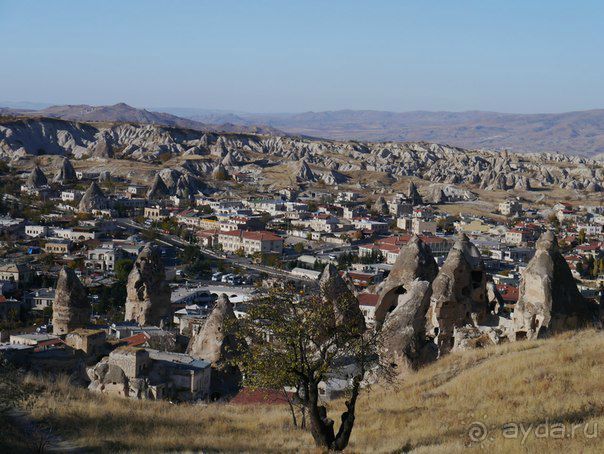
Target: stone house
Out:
[58,246]
[510,207]
[90,341]
[15,272]
[104,258]
[36,231]
[155,213]
[39,299]
[143,373]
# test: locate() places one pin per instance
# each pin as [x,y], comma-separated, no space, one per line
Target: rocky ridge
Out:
[329,161]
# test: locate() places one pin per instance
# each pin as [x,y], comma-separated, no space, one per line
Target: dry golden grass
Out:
[553,381]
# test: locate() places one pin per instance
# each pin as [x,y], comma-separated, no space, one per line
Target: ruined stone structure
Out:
[148,294]
[70,308]
[140,373]
[548,298]
[459,294]
[414,262]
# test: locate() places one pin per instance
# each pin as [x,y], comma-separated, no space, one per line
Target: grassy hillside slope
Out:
[553,383]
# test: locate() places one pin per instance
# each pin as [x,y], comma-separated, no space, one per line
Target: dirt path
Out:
[40,438]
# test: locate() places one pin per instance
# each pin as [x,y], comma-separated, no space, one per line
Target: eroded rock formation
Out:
[304,173]
[414,262]
[93,199]
[215,341]
[413,195]
[158,189]
[108,378]
[66,173]
[548,298]
[335,291]
[148,294]
[459,294]
[70,308]
[404,342]
[37,178]
[380,206]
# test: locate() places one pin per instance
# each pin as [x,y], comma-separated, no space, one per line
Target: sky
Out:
[524,56]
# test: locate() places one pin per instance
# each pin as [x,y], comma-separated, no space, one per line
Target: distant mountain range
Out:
[579,132]
[123,113]
[572,132]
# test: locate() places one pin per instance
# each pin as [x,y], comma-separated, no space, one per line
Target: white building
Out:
[590,229]
[71,196]
[510,207]
[36,231]
[250,242]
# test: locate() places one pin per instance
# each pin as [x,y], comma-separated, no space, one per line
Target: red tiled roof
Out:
[261,235]
[508,292]
[368,299]
[136,340]
[48,343]
[355,275]
[395,243]
[206,233]
[589,247]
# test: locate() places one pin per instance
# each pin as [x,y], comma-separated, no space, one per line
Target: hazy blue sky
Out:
[276,56]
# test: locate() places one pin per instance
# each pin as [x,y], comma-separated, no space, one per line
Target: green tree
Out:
[299,248]
[123,268]
[294,342]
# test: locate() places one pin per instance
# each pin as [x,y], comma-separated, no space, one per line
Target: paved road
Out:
[243,262]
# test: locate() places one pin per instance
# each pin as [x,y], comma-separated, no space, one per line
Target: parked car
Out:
[234,279]
[216,277]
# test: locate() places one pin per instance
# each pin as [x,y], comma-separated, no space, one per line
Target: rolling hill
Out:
[465,400]
[123,113]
